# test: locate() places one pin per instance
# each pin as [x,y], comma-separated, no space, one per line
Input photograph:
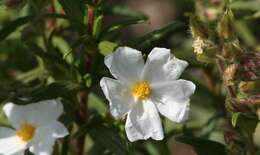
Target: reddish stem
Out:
[51,9]
[222,69]
[91,18]
[82,119]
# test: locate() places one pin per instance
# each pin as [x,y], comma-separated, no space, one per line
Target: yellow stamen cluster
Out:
[198,45]
[141,90]
[26,132]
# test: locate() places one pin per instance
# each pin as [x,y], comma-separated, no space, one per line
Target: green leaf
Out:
[63,47]
[234,119]
[245,5]
[55,64]
[148,39]
[74,9]
[203,146]
[133,17]
[96,150]
[31,75]
[54,90]
[97,103]
[245,32]
[11,27]
[108,137]
[88,80]
[94,119]
[97,26]
[124,23]
[107,47]
[123,11]
[245,121]
[65,17]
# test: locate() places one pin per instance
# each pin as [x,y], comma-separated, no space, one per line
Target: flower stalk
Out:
[82,119]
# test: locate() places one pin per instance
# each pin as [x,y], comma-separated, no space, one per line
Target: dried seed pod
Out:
[231,49]
[234,105]
[229,73]
[198,29]
[249,67]
[251,100]
[225,26]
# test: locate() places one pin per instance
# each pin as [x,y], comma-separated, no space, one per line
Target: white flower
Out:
[35,127]
[142,90]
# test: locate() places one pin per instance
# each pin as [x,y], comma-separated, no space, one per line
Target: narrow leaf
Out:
[203,146]
[75,10]
[148,39]
[106,47]
[11,27]
[119,10]
[108,137]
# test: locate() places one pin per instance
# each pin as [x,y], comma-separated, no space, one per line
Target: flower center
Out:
[141,90]
[26,132]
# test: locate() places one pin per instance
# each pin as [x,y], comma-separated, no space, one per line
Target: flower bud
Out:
[225,26]
[249,87]
[198,29]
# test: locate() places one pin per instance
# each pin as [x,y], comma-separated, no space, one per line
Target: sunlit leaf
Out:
[97,26]
[118,10]
[12,26]
[107,47]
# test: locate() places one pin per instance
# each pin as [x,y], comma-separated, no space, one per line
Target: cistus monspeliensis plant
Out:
[150,77]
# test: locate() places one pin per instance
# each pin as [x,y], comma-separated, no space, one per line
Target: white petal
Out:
[125,64]
[59,130]
[118,95]
[172,99]
[45,137]
[9,143]
[38,114]
[144,122]
[18,153]
[161,65]
[43,147]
